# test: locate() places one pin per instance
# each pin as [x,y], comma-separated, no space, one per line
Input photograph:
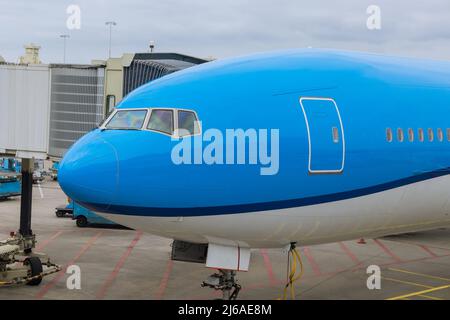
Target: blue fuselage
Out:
[130,172]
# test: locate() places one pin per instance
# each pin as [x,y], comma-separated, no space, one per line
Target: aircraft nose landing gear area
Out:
[226,282]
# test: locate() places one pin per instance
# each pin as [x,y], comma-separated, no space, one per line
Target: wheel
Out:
[82,222]
[35,268]
[60,214]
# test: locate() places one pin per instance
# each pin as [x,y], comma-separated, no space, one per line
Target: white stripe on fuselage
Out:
[420,206]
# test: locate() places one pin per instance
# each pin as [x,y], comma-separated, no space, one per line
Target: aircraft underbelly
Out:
[419,206]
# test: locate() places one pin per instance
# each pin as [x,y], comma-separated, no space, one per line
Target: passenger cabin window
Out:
[127,119]
[161,120]
[400,136]
[421,136]
[440,134]
[187,123]
[389,134]
[335,133]
[411,135]
[430,134]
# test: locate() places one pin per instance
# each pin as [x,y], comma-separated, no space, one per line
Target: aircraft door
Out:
[325,135]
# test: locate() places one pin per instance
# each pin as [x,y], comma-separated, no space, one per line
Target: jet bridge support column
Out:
[26,199]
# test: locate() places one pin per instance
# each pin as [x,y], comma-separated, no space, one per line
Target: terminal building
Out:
[45,108]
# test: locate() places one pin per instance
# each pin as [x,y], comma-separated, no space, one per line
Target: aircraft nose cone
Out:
[89,173]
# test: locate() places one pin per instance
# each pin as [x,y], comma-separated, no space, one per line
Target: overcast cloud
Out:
[211,28]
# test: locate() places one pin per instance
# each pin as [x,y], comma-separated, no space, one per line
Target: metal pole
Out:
[65,37]
[26,198]
[110,24]
[64,56]
[110,36]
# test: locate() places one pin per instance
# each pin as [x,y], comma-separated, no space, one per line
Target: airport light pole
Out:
[64,37]
[152,46]
[110,24]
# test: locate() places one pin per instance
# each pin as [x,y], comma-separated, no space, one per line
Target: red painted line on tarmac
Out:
[418,244]
[413,260]
[164,280]
[427,250]
[61,273]
[44,243]
[349,253]
[272,279]
[386,249]
[112,276]
[312,262]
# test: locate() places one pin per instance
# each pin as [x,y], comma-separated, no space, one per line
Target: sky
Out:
[219,29]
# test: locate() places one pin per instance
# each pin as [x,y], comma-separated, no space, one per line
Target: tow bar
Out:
[18,267]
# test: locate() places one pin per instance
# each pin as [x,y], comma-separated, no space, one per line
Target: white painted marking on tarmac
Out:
[40,191]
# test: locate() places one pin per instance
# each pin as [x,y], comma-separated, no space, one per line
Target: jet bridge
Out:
[24,110]
[24,123]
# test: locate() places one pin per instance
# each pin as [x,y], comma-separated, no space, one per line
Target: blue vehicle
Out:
[14,165]
[83,216]
[10,165]
[10,184]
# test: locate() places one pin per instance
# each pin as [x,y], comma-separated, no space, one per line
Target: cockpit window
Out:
[161,120]
[187,123]
[127,119]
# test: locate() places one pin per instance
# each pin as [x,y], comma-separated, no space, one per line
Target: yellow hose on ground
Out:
[293,258]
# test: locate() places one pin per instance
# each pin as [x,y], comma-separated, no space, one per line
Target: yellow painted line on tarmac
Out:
[429,297]
[419,274]
[418,293]
[408,282]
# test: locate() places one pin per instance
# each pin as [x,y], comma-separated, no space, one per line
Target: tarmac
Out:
[127,264]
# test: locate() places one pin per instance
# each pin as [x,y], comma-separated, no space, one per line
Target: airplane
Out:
[333,146]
